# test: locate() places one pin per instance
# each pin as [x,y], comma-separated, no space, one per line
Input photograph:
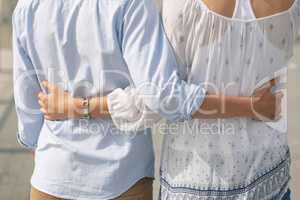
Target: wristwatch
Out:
[85,108]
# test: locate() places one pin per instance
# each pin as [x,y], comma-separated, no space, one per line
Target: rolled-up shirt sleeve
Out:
[26,89]
[153,68]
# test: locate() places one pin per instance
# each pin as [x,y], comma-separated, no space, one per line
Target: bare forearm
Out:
[215,106]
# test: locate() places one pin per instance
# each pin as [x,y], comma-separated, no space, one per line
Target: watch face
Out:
[85,103]
[85,110]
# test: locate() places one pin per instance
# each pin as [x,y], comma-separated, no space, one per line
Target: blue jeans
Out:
[287,195]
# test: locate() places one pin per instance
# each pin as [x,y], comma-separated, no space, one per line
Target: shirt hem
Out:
[44,186]
[23,144]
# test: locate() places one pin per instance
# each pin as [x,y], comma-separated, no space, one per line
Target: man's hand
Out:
[57,104]
[266,104]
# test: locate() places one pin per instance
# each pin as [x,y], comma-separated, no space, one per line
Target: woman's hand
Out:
[57,104]
[263,105]
[266,104]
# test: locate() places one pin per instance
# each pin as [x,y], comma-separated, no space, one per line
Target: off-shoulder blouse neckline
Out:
[255,19]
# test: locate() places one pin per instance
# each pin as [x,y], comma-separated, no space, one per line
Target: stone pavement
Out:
[16,164]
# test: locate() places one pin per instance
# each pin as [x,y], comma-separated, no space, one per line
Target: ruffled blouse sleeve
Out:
[128,111]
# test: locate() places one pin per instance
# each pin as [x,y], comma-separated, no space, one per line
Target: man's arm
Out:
[26,86]
[152,64]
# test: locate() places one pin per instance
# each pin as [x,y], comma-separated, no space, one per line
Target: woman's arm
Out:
[60,105]
[263,105]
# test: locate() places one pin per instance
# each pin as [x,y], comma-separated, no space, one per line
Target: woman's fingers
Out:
[279,95]
[47,117]
[43,97]
[47,108]
[51,104]
[44,111]
[43,101]
[53,117]
[43,105]
[50,87]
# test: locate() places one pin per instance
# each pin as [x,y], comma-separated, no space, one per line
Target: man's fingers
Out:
[279,95]
[261,91]
[273,82]
[278,109]
[278,112]
[267,86]
[271,85]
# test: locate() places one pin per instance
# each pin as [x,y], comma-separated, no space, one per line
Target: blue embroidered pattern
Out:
[270,186]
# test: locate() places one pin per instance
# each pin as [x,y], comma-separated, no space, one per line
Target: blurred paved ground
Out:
[16,164]
[294,120]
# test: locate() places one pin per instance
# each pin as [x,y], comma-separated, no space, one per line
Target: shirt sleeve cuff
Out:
[24,144]
[196,101]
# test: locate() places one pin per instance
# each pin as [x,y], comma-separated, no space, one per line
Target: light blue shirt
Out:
[90,48]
